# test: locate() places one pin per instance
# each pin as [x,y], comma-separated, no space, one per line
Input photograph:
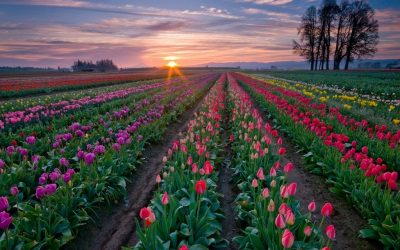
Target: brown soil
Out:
[115,227]
[345,218]
[229,227]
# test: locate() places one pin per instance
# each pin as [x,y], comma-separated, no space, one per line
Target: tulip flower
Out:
[14,190]
[208,168]
[271,206]
[183,247]
[284,191]
[311,207]
[165,199]
[2,163]
[30,140]
[290,218]
[287,239]
[279,221]
[307,231]
[272,172]
[325,248]
[281,151]
[194,168]
[288,167]
[63,162]
[327,210]
[158,179]
[283,208]
[254,183]
[292,188]
[3,203]
[89,158]
[330,232]
[260,174]
[265,193]
[200,187]
[40,192]
[5,220]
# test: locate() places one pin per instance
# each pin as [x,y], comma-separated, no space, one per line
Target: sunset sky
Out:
[143,33]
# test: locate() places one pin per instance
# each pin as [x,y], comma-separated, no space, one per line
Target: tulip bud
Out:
[279,221]
[254,183]
[311,206]
[327,210]
[330,232]
[273,183]
[265,193]
[307,231]
[271,206]
[165,199]
[287,239]
[158,179]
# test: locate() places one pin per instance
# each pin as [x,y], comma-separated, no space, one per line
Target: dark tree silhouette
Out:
[364,32]
[88,66]
[351,26]
[308,35]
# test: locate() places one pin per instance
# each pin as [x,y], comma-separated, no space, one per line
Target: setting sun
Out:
[171,64]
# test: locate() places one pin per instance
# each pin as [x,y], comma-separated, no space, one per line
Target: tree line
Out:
[88,66]
[345,31]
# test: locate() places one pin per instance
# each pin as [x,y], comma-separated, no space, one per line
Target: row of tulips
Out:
[46,215]
[26,102]
[185,211]
[357,155]
[383,143]
[266,203]
[375,196]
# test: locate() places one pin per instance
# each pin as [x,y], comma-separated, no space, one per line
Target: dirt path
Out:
[345,218]
[228,191]
[115,226]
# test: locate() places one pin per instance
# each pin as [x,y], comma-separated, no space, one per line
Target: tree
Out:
[342,33]
[364,32]
[308,34]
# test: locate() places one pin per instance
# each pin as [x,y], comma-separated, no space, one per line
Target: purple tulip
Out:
[99,149]
[71,171]
[50,189]
[79,133]
[5,220]
[3,203]
[80,154]
[10,150]
[63,162]
[2,163]
[88,147]
[54,176]
[23,151]
[67,177]
[116,147]
[30,140]
[14,190]
[40,192]
[89,158]
[56,144]
[139,137]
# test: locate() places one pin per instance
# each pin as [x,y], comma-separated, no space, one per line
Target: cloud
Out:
[272,15]
[267,2]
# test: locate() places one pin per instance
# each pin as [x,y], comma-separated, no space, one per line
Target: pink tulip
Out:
[287,239]
[254,183]
[279,221]
[165,199]
[311,207]
[288,167]
[271,206]
[307,231]
[158,179]
[14,190]
[292,188]
[281,151]
[265,193]
[260,174]
[194,168]
[183,247]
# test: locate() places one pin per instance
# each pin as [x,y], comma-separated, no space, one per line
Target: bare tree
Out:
[308,35]
[342,33]
[364,32]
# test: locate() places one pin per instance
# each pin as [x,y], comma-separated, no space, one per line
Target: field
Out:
[210,160]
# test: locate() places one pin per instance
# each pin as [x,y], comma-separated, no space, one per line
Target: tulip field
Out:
[217,160]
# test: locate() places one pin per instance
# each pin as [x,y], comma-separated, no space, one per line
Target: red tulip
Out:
[145,212]
[292,188]
[330,232]
[200,186]
[325,248]
[194,168]
[279,221]
[311,207]
[284,191]
[287,239]
[327,209]
[364,150]
[272,172]
[288,167]
[183,247]
[281,151]
[208,168]
[290,218]
[165,199]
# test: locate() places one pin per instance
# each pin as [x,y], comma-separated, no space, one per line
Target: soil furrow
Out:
[345,218]
[229,226]
[115,227]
